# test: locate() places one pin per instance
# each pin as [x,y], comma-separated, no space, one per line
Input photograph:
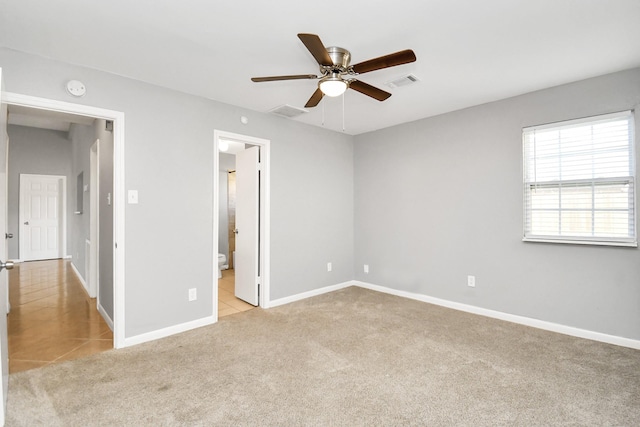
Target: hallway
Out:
[52,318]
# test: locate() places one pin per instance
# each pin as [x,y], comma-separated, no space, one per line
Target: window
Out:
[579,181]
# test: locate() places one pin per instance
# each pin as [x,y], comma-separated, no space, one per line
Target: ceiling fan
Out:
[336,73]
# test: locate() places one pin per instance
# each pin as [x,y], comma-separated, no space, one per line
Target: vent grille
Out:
[288,111]
[407,80]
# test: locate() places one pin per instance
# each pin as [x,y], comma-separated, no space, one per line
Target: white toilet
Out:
[222,260]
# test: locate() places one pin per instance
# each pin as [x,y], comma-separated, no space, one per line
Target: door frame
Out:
[117,117]
[94,222]
[264,299]
[4,276]
[62,218]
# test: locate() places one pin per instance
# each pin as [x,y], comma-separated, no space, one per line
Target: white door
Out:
[4,285]
[247,225]
[41,216]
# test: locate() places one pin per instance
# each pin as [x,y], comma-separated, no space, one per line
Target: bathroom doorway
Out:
[228,303]
[227,147]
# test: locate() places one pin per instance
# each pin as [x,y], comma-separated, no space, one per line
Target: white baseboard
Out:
[100,309]
[527,321]
[163,333]
[105,316]
[309,294]
[75,270]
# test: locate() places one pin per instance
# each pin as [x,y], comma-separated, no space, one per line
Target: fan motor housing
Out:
[341,58]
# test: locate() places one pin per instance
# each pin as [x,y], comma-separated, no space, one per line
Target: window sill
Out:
[581,242]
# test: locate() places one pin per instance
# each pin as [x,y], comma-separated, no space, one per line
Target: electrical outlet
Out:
[329,267]
[366,268]
[193,294]
[471,281]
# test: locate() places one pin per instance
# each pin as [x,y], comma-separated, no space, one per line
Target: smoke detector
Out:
[76,88]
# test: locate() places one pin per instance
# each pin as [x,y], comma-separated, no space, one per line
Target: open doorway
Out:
[95,259]
[228,303]
[241,242]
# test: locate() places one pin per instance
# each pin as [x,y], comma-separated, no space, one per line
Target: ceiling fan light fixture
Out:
[332,86]
[336,71]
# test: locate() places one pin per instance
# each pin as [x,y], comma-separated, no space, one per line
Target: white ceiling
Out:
[469,52]
[45,119]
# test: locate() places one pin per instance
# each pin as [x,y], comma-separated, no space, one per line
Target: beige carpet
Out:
[349,358]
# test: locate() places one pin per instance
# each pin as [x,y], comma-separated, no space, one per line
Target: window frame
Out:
[529,236]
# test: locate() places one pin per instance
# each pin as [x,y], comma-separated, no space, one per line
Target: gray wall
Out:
[441,198]
[105,208]
[81,138]
[36,151]
[169,160]
[434,201]
[227,163]
[313,220]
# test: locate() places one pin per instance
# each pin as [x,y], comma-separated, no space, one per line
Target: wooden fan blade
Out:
[317,49]
[391,60]
[369,90]
[274,78]
[315,99]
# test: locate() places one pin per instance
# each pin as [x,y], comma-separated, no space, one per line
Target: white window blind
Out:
[579,181]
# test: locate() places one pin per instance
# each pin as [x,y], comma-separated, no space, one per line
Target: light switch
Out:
[132,197]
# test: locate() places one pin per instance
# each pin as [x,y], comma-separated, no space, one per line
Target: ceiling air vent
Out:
[407,80]
[288,111]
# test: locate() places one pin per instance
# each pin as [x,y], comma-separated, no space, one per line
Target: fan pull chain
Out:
[323,113]
[343,112]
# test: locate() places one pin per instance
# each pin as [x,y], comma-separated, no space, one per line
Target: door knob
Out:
[8,235]
[26,223]
[8,265]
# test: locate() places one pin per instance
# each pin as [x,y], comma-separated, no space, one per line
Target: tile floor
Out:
[52,318]
[227,301]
